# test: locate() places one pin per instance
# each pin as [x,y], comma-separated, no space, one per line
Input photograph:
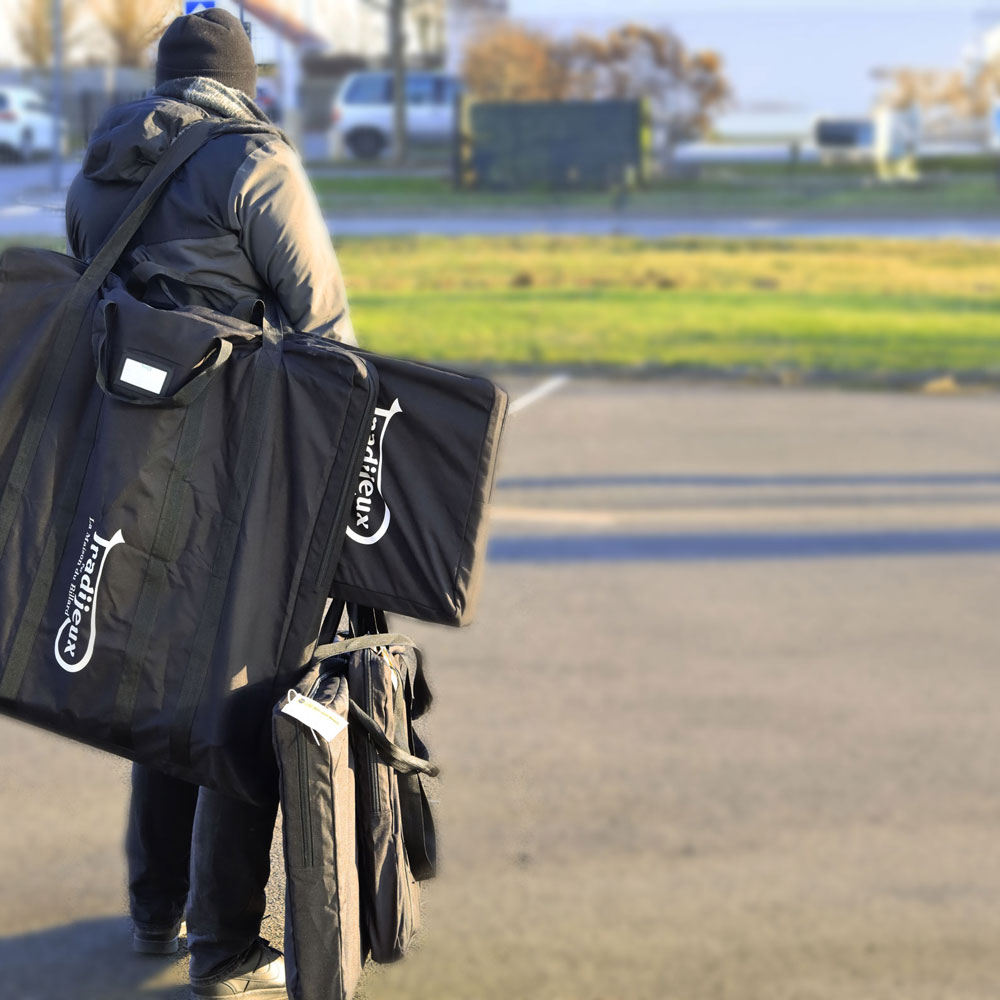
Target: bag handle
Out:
[271,336]
[421,693]
[392,755]
[148,272]
[185,395]
[189,140]
[329,649]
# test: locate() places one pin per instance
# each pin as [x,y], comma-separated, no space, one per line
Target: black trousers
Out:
[195,851]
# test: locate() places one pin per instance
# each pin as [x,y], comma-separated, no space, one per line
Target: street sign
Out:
[191,6]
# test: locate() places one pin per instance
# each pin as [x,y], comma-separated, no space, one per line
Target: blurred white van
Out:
[362,113]
[26,124]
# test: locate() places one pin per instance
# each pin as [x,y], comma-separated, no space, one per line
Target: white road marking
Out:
[548,387]
[544,515]
[833,518]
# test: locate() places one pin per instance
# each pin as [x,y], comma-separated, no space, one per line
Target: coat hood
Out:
[131,138]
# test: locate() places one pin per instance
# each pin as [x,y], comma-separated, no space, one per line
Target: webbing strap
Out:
[392,755]
[71,321]
[418,824]
[265,370]
[155,580]
[332,618]
[345,646]
[419,837]
[188,141]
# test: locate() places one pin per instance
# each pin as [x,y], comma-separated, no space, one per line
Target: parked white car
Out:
[362,112]
[25,124]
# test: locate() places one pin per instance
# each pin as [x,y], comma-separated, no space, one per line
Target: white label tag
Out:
[317,717]
[143,376]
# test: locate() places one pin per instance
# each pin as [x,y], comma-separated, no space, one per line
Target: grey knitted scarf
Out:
[226,102]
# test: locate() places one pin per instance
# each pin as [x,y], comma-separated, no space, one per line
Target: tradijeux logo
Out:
[75,639]
[371,512]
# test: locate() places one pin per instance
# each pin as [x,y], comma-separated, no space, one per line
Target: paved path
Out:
[735,775]
[28,206]
[519,221]
[46,219]
[28,209]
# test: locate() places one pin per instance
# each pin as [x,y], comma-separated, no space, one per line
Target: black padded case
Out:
[417,526]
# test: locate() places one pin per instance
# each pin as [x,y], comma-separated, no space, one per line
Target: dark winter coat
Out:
[240,219]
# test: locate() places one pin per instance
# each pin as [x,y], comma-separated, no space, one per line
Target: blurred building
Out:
[466,20]
[306,47]
[358,28]
[281,40]
[989,53]
[764,122]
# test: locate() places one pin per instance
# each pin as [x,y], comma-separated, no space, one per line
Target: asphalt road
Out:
[28,208]
[41,215]
[568,223]
[726,727]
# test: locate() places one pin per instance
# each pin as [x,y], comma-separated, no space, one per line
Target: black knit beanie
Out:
[210,43]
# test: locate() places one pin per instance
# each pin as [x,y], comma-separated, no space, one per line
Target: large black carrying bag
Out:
[417,529]
[175,486]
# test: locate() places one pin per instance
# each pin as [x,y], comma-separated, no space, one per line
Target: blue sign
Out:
[190,6]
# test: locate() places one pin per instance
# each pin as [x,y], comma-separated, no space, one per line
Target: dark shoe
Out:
[261,975]
[158,940]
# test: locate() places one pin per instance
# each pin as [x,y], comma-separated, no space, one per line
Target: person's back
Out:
[238,222]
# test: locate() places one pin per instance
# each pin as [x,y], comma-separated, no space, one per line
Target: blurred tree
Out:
[33,29]
[983,88]
[133,25]
[514,64]
[684,89]
[951,93]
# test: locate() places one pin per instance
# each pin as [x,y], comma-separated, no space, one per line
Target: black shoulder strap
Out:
[187,143]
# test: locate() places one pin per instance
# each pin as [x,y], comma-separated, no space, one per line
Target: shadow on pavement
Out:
[88,960]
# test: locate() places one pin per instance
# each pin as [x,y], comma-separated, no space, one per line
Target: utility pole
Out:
[57,94]
[397,55]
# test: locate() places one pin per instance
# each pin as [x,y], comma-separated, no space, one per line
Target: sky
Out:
[816,54]
[598,7]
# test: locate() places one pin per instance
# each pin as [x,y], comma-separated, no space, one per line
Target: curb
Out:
[931,381]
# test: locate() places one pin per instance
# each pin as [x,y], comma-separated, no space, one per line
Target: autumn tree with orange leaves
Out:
[33,29]
[514,64]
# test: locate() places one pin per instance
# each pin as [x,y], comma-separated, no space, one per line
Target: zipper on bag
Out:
[305,803]
[373,761]
[302,751]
